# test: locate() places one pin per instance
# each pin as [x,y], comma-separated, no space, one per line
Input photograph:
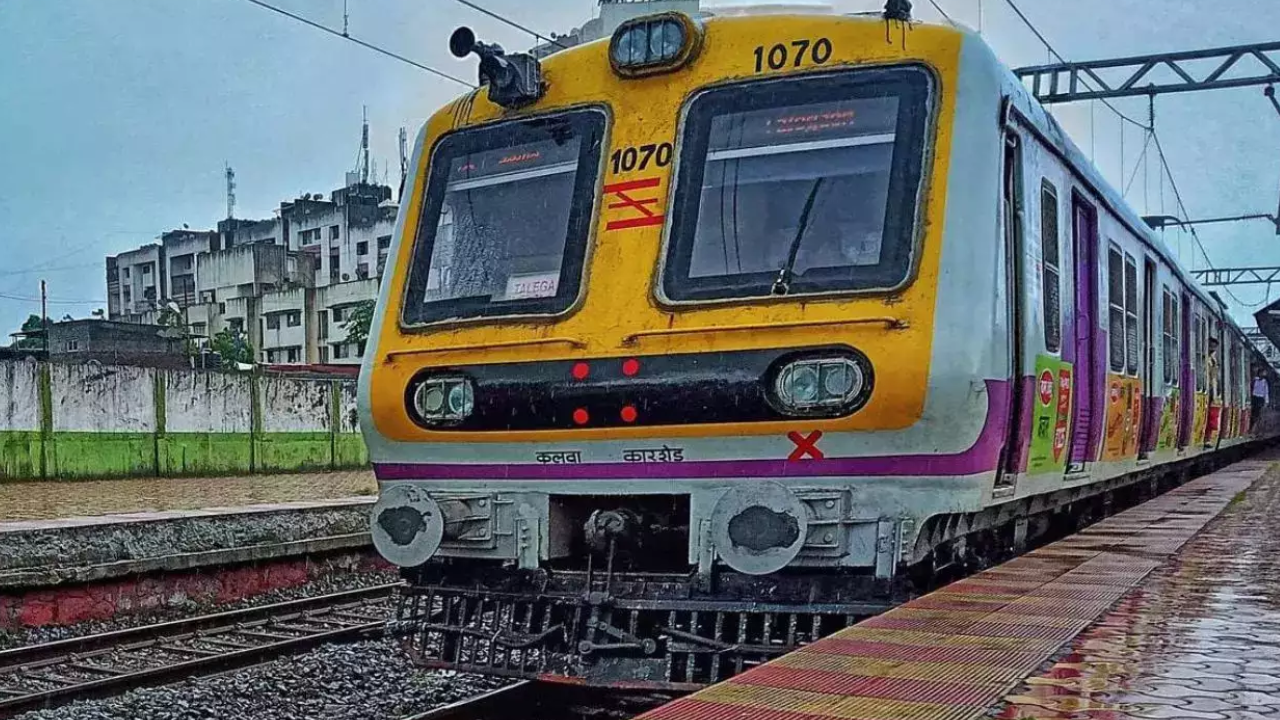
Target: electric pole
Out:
[44,315]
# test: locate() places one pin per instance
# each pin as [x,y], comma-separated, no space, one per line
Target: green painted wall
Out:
[105,422]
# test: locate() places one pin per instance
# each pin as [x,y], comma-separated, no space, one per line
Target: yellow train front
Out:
[699,335]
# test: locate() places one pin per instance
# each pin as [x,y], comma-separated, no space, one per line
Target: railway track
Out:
[533,700]
[109,663]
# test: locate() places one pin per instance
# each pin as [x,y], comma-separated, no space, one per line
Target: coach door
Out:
[1187,392]
[1089,378]
[1149,421]
[1015,257]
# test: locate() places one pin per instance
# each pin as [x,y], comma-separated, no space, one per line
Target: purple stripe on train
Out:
[981,457]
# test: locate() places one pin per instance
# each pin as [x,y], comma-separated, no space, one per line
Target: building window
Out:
[146,269]
[337,314]
[124,273]
[362,270]
[384,242]
[1049,240]
[333,267]
[1132,337]
[235,324]
[362,247]
[324,354]
[333,232]
[292,355]
[322,322]
[1115,299]
[294,318]
[71,345]
[339,351]
[271,356]
[222,308]
[360,350]
[273,321]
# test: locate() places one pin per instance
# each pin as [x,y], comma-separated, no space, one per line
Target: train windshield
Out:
[505,220]
[799,186]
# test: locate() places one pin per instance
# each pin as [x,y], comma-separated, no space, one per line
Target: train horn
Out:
[514,80]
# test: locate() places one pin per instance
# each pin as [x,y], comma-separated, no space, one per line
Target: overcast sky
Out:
[117,116]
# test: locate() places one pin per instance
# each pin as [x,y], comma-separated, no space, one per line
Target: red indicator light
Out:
[581,370]
[630,367]
[580,416]
[629,414]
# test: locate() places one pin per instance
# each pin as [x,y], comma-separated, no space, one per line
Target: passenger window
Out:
[1115,299]
[1133,351]
[1051,275]
[1169,313]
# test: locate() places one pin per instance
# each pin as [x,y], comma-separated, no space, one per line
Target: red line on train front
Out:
[806,445]
[641,215]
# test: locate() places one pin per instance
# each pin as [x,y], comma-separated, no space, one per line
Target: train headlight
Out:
[654,44]
[442,400]
[822,386]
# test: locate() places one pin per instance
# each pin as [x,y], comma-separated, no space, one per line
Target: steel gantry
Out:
[1228,67]
[1237,276]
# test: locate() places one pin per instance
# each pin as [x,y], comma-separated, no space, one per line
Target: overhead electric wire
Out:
[1150,127]
[1182,208]
[944,14]
[53,301]
[1036,31]
[514,24]
[361,43]
[45,269]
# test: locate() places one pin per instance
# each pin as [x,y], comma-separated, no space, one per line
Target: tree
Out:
[233,347]
[33,326]
[359,322]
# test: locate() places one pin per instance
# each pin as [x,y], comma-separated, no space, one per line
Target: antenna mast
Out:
[231,192]
[404,160]
[364,148]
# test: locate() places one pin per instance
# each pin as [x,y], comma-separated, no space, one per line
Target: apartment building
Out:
[288,283]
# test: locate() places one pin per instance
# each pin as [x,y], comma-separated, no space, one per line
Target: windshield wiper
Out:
[782,284]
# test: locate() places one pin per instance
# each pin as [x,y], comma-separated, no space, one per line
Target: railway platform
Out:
[51,500]
[1168,610]
[89,550]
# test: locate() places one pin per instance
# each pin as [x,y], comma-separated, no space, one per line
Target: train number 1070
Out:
[797,53]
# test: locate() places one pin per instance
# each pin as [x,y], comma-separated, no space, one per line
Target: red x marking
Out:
[806,445]
[641,215]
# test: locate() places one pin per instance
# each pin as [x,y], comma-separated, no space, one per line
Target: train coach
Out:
[704,340]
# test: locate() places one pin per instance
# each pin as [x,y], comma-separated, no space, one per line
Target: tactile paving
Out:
[955,653]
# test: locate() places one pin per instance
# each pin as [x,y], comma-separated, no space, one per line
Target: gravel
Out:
[330,583]
[370,680]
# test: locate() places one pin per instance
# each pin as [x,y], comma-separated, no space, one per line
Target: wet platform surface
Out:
[47,500]
[1148,614]
[1200,639]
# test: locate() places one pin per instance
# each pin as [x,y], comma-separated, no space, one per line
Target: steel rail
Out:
[54,673]
[478,706]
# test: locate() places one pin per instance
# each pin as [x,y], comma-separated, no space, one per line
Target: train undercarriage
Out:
[622,614]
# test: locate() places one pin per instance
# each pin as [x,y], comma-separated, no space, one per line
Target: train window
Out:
[506,218]
[1131,335]
[799,186]
[1051,274]
[1115,300]
[1169,347]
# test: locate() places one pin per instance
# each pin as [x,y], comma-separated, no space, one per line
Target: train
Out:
[708,338]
